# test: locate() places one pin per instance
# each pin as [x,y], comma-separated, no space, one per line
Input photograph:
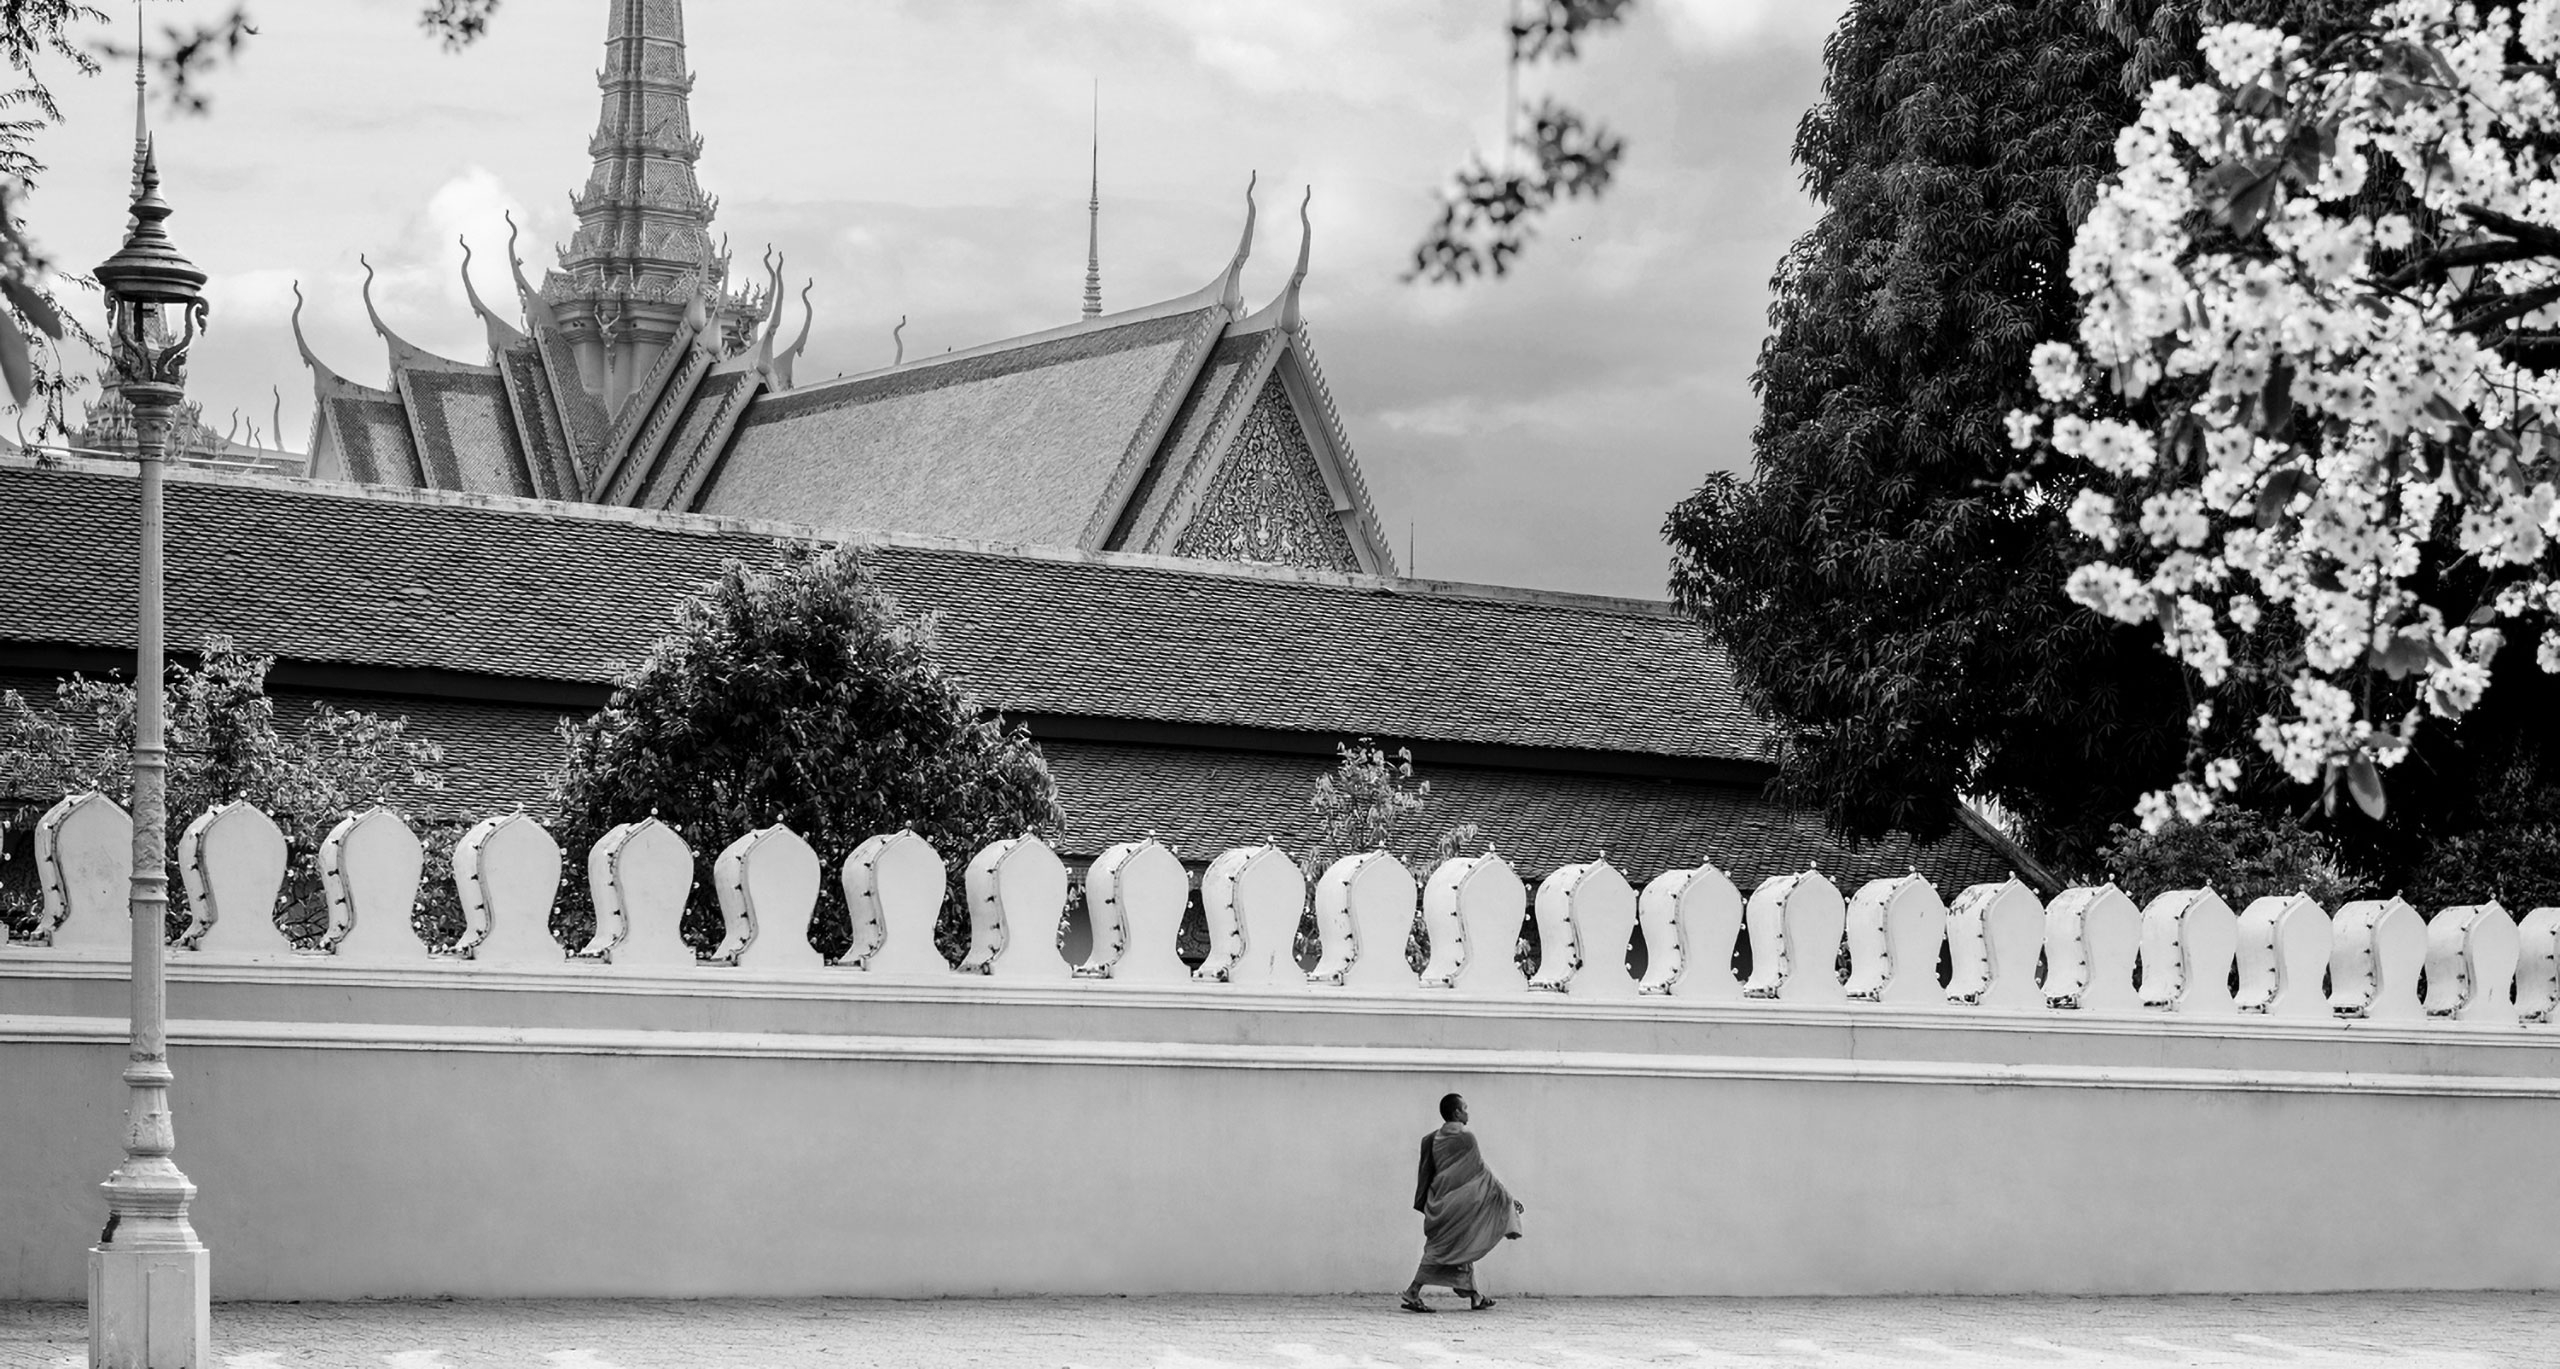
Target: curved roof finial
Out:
[773,303]
[808,316]
[369,312]
[1233,295]
[500,331]
[278,391]
[404,353]
[515,264]
[697,313]
[1298,277]
[309,358]
[899,341]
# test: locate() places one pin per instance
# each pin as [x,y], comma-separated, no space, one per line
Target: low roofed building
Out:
[1190,698]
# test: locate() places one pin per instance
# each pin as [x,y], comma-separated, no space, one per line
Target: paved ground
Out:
[2404,1330]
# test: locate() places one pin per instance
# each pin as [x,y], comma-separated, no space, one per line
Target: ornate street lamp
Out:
[150,1287]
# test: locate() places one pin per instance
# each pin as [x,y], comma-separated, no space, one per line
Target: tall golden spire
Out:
[643,249]
[1093,220]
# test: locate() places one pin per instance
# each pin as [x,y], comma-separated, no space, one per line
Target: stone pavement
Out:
[2358,1331]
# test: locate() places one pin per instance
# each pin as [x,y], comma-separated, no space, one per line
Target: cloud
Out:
[256,296]
[1701,27]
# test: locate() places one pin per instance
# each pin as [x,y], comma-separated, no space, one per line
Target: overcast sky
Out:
[928,158]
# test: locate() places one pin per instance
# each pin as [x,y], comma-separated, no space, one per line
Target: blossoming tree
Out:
[2318,373]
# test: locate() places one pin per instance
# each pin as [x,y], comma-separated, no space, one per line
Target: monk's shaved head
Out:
[1449,1105]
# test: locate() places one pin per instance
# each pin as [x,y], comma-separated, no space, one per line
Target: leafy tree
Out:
[2243,854]
[801,693]
[2508,850]
[1889,588]
[224,744]
[1360,805]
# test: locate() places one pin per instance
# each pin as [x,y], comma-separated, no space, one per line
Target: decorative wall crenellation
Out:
[2187,954]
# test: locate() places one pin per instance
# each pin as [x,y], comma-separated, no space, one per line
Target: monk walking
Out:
[1465,1211]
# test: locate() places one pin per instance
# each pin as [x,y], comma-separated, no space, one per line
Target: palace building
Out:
[1145,534]
[1192,426]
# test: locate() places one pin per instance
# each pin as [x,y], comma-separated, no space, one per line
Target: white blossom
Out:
[2093,515]
[2056,369]
[2111,590]
[2022,428]
[2425,434]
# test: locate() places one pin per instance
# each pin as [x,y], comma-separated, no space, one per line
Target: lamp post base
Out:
[150,1309]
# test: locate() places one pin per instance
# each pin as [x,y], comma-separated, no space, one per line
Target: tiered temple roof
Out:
[1188,427]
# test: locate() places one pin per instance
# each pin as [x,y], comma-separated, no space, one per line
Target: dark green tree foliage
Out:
[802,694]
[2244,854]
[1888,586]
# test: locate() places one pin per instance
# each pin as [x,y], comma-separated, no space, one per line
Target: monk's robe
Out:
[1465,1210]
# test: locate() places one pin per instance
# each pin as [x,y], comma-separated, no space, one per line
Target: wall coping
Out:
[51,1030]
[732,984]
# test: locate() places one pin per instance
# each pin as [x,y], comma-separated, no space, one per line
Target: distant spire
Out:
[1093,218]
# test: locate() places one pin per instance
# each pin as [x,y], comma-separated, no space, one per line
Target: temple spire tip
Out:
[1093,219]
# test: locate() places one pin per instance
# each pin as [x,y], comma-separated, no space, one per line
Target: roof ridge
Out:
[1131,469]
[562,511]
[639,408]
[1302,336]
[1191,483]
[1128,318]
[630,474]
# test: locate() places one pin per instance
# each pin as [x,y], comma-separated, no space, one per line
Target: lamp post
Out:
[150,1287]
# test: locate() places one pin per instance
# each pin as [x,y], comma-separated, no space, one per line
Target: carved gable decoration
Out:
[1269,502]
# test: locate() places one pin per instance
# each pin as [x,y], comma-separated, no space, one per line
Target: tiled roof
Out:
[1019,443]
[539,432]
[328,573]
[371,432]
[582,415]
[466,438]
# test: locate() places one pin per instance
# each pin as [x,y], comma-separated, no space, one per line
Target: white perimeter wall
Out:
[467,1131]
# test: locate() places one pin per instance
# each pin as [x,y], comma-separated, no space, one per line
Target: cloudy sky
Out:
[927,158]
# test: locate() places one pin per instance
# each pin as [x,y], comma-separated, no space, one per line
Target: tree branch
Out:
[2510,306]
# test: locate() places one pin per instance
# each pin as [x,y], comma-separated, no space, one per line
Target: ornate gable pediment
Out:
[1268,500]
[1270,479]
